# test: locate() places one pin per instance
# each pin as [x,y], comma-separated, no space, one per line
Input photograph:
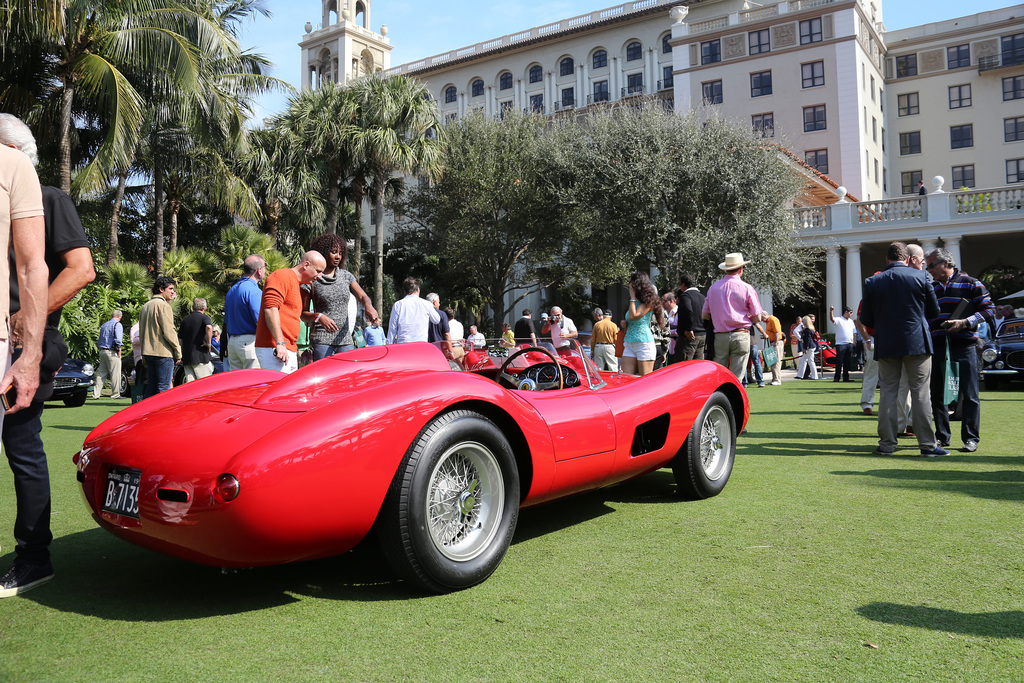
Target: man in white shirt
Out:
[845,329]
[411,316]
[455,328]
[561,328]
[478,340]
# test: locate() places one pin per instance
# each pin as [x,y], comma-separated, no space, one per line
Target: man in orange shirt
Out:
[281,314]
[775,337]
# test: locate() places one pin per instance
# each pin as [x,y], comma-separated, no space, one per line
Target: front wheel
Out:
[704,464]
[76,400]
[452,507]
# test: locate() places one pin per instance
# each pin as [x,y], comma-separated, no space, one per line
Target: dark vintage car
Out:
[73,382]
[1003,358]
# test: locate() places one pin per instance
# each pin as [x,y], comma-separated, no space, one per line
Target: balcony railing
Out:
[666,84]
[1007,58]
[631,90]
[598,97]
[565,104]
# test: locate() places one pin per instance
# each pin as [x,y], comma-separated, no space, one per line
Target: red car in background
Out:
[433,448]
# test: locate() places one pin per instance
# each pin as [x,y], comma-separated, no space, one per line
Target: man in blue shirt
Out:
[375,334]
[111,336]
[241,313]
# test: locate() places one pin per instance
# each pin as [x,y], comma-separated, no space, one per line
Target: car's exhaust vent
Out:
[650,436]
[173,495]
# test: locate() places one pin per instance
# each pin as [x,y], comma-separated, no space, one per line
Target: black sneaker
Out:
[22,577]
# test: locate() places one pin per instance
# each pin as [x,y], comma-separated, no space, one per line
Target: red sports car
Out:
[434,448]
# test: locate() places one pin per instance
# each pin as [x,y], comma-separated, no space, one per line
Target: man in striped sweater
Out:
[952,287]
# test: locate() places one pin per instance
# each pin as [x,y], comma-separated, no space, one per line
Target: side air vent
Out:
[650,436]
[173,495]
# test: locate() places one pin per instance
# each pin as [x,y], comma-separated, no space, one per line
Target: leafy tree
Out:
[493,217]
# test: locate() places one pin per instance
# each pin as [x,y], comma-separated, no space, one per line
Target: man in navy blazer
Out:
[898,303]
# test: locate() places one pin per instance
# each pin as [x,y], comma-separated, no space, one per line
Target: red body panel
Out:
[315,452]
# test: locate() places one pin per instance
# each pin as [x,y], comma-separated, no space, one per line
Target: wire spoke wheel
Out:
[703,465]
[464,501]
[715,442]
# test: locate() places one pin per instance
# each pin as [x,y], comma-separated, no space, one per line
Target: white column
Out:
[927,245]
[549,92]
[585,85]
[952,245]
[651,86]
[833,282]
[518,94]
[462,104]
[581,100]
[489,101]
[613,76]
[854,281]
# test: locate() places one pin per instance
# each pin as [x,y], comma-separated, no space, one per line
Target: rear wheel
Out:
[452,507]
[76,400]
[703,466]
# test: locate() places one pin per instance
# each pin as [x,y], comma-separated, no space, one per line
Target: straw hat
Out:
[732,262]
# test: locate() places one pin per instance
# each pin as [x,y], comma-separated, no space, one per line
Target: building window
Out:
[634,51]
[666,47]
[873,91]
[536,73]
[963,176]
[505,81]
[910,143]
[961,136]
[505,107]
[537,103]
[711,52]
[712,91]
[635,84]
[566,67]
[874,129]
[761,83]
[883,138]
[817,159]
[876,171]
[667,80]
[601,91]
[759,42]
[909,181]
[958,56]
[959,96]
[906,66]
[568,97]
[810,31]
[450,94]
[600,59]
[1014,171]
[909,104]
[814,118]
[1013,88]
[1013,129]
[764,124]
[478,88]
[1013,49]
[813,74]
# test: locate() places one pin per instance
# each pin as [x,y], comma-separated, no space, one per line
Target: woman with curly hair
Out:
[332,328]
[639,349]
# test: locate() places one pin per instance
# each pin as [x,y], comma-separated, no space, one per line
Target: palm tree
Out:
[90,47]
[395,132]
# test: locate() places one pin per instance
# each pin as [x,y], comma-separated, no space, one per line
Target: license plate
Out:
[122,494]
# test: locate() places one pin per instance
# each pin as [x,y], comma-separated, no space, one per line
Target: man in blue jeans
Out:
[160,348]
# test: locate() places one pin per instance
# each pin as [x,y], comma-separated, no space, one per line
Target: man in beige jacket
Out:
[160,348]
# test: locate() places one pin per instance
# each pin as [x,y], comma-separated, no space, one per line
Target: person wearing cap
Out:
[845,328]
[602,341]
[732,305]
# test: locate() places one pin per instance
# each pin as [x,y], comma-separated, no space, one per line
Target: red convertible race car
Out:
[433,448]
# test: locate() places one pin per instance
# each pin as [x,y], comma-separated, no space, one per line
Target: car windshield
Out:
[1011,328]
[486,356]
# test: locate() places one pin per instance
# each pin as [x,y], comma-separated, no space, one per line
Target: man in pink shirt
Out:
[732,305]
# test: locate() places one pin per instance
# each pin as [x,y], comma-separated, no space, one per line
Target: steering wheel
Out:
[516,383]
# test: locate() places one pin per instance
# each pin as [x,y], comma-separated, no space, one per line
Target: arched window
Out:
[634,51]
[567,66]
[665,47]
[450,94]
[478,87]
[505,81]
[536,73]
[600,59]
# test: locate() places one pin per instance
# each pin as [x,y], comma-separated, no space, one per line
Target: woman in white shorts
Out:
[639,348]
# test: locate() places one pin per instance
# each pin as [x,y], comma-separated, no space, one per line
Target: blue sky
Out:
[419,29]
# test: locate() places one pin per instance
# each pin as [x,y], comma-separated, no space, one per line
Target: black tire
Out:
[452,507]
[991,383]
[704,464]
[76,400]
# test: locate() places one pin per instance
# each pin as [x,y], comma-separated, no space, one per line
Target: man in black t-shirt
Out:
[524,330]
[195,334]
[70,263]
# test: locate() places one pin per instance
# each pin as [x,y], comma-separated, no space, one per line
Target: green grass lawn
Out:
[819,562]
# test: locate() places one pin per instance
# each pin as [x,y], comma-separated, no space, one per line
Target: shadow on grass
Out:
[998,485]
[985,624]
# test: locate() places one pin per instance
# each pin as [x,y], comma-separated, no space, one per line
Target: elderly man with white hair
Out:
[560,327]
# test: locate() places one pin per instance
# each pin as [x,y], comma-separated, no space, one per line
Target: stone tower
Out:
[343,47]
